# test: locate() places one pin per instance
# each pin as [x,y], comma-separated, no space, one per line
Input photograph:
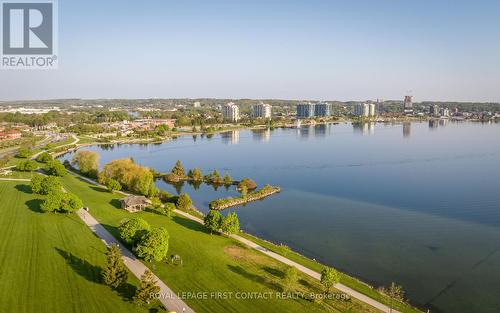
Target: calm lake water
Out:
[417,204]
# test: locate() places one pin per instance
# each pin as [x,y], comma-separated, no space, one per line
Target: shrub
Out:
[132,230]
[213,221]
[249,183]
[44,157]
[184,202]
[26,166]
[23,153]
[230,224]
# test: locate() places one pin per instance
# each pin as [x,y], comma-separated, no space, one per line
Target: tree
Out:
[213,221]
[153,245]
[55,168]
[87,162]
[147,288]
[44,157]
[290,278]
[230,224]
[58,201]
[23,153]
[395,292]
[329,277]
[52,202]
[196,174]
[49,184]
[132,230]
[26,166]
[178,170]
[113,185]
[184,202]
[131,176]
[36,183]
[249,183]
[114,273]
[244,191]
[227,179]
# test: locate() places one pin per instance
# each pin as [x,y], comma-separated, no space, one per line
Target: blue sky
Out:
[331,50]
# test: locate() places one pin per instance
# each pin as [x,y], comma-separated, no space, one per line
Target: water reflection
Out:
[406,129]
[261,135]
[433,124]
[231,137]
[367,128]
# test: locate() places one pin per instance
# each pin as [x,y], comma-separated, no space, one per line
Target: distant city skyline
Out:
[294,50]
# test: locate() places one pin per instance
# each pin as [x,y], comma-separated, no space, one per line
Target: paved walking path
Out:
[15,179]
[341,287]
[167,297]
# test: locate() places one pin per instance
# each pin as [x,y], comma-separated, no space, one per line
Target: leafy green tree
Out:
[71,203]
[23,153]
[114,273]
[228,180]
[213,221]
[58,201]
[55,168]
[53,201]
[36,183]
[329,277]
[44,157]
[231,224]
[49,184]
[184,202]
[132,230]
[178,170]
[26,166]
[153,245]
[113,185]
[87,162]
[147,288]
[290,278]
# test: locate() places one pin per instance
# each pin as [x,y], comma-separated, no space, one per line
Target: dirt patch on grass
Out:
[244,254]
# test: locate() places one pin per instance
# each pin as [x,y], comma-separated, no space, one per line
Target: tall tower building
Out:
[231,112]
[261,110]
[305,110]
[322,109]
[408,104]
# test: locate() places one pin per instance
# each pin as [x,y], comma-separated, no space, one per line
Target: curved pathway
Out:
[167,297]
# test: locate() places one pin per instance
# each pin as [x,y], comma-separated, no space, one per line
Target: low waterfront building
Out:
[135,203]
[231,112]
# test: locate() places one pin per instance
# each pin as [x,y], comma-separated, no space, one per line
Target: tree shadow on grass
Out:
[82,267]
[34,205]
[99,189]
[275,272]
[305,283]
[254,277]
[191,224]
[24,188]
[116,203]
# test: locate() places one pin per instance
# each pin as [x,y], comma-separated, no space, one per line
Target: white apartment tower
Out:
[261,110]
[365,109]
[231,112]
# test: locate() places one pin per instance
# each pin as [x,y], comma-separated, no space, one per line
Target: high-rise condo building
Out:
[261,110]
[305,110]
[364,109]
[322,109]
[231,112]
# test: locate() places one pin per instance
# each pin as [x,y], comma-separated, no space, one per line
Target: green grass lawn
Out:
[50,262]
[212,263]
